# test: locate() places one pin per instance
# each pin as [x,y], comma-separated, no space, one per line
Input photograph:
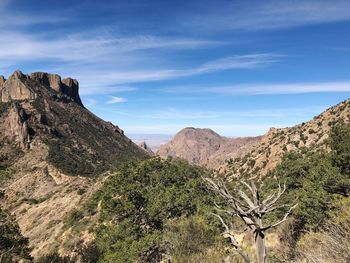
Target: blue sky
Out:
[238,67]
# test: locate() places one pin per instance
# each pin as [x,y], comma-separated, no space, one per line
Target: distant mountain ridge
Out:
[253,155]
[266,153]
[204,146]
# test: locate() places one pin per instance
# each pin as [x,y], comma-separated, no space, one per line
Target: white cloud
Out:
[278,113]
[269,14]
[99,88]
[114,100]
[102,62]
[86,47]
[265,89]
[248,61]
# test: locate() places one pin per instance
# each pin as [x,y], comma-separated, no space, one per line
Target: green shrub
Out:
[140,201]
[13,246]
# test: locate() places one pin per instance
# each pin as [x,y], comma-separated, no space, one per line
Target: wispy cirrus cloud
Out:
[86,47]
[277,113]
[114,100]
[248,61]
[100,88]
[265,89]
[267,15]
[102,62]
[10,18]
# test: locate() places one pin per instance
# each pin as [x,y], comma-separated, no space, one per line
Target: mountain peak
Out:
[199,145]
[40,110]
[27,87]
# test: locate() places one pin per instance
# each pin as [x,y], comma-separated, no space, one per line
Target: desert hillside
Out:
[266,153]
[204,146]
[253,155]
[50,145]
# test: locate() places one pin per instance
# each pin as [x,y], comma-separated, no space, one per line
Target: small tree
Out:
[251,208]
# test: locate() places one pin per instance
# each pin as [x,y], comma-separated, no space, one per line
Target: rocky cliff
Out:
[53,153]
[40,110]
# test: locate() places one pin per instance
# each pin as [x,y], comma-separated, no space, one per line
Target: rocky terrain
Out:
[266,153]
[253,155]
[53,153]
[205,147]
[147,149]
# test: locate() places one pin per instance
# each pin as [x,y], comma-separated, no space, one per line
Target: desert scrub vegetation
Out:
[5,174]
[160,209]
[157,210]
[13,246]
[321,182]
[330,244]
[149,210]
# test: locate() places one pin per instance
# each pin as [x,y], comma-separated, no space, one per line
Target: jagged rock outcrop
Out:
[71,88]
[40,108]
[26,87]
[17,127]
[16,88]
[145,147]
[50,80]
[198,146]
[2,81]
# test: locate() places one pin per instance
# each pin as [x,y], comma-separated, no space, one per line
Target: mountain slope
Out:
[204,146]
[41,110]
[52,153]
[267,152]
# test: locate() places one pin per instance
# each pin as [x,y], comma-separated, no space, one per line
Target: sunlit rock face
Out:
[27,87]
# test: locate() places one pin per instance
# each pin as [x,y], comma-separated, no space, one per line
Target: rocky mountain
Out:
[52,150]
[205,147]
[266,153]
[42,111]
[253,155]
[145,147]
